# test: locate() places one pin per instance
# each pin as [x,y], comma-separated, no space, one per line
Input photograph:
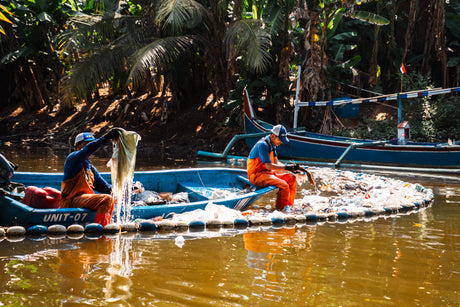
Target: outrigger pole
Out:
[382,98]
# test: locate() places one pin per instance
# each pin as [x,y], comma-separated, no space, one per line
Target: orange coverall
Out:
[265,152]
[81,178]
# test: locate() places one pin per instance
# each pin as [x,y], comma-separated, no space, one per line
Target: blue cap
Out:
[84,137]
[281,133]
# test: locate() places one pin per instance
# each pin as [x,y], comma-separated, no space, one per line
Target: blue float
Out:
[277,220]
[37,230]
[147,225]
[94,228]
[196,224]
[241,222]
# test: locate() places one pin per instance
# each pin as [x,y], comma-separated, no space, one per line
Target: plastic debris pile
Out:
[358,193]
[337,196]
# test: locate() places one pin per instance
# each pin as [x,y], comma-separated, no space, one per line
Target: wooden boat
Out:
[310,146]
[198,183]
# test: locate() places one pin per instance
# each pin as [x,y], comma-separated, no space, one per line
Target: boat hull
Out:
[199,183]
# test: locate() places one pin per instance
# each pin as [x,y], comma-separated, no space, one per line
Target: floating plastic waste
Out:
[337,196]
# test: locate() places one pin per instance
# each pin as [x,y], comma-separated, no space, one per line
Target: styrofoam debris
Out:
[336,191]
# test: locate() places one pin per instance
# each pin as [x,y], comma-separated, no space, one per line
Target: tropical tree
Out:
[29,59]
[174,39]
[3,10]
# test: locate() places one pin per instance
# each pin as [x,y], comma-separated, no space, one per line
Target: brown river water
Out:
[399,260]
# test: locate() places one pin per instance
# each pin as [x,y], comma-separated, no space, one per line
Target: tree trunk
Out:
[429,39]
[410,28]
[440,40]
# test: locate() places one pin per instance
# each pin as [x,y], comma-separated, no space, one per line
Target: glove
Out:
[311,179]
[112,134]
[292,167]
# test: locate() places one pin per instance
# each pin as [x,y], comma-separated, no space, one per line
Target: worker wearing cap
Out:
[264,168]
[81,178]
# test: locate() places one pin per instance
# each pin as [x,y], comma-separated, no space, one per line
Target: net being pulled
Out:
[122,166]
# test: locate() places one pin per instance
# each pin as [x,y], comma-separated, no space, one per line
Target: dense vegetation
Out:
[58,53]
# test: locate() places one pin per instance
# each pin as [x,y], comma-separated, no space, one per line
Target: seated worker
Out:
[81,178]
[263,163]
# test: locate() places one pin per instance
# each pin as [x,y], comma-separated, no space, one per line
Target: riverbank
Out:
[176,134]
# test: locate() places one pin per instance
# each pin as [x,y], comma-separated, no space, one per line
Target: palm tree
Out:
[184,38]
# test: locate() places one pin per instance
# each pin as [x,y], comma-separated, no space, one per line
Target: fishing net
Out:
[122,166]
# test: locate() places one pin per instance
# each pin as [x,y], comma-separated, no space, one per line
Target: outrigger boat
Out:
[221,186]
[326,150]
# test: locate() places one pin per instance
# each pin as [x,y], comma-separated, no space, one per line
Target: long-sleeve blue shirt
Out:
[79,159]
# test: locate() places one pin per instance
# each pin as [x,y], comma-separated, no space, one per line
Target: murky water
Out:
[403,260]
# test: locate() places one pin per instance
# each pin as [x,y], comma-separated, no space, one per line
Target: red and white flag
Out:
[402,68]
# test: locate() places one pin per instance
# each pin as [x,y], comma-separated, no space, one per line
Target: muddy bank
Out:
[176,134]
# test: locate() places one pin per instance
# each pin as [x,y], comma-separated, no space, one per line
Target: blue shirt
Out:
[262,150]
[79,160]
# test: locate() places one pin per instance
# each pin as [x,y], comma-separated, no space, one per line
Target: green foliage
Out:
[265,92]
[447,120]
[420,112]
[453,34]
[432,118]
[251,40]
[3,17]
[372,129]
[134,8]
[369,18]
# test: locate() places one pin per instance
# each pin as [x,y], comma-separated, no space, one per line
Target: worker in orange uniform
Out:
[264,169]
[81,178]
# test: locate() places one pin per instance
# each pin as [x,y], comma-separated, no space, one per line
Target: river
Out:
[399,260]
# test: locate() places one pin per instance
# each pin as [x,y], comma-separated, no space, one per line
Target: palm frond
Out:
[157,55]
[251,41]
[176,15]
[85,75]
[94,31]
[369,18]
[275,15]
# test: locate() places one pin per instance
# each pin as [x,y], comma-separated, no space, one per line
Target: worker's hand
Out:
[292,167]
[112,134]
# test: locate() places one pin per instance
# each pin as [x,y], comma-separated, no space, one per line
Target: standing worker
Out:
[263,165]
[81,178]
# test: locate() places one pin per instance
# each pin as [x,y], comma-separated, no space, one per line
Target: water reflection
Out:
[76,264]
[118,283]
[398,260]
[82,266]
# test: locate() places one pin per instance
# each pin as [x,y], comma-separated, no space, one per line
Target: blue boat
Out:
[198,183]
[308,146]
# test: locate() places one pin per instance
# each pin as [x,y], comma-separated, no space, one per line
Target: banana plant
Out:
[3,10]
[30,50]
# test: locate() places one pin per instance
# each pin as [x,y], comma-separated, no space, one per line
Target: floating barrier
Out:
[350,197]
[112,228]
[77,231]
[93,230]
[37,230]
[147,225]
[57,230]
[15,231]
